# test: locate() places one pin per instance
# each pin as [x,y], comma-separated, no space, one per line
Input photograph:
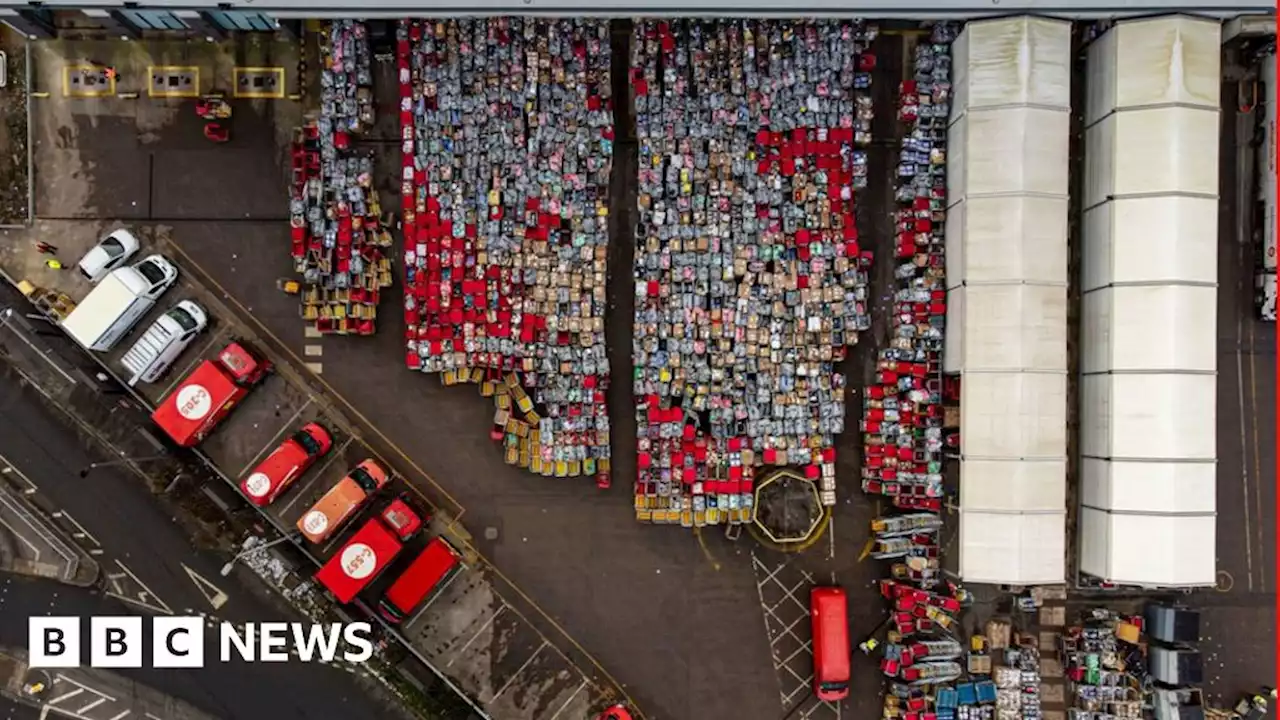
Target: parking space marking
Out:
[314,367]
[476,634]
[512,679]
[300,490]
[244,314]
[122,713]
[275,440]
[311,332]
[64,696]
[785,620]
[196,359]
[571,697]
[91,706]
[313,350]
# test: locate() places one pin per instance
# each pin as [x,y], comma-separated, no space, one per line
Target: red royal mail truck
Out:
[194,408]
[358,563]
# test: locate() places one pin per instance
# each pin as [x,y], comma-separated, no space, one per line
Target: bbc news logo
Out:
[179,642]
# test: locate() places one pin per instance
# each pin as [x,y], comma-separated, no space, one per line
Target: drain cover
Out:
[89,81]
[260,82]
[175,82]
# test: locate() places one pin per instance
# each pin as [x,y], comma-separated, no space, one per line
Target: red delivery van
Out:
[828,612]
[356,565]
[426,575]
[194,408]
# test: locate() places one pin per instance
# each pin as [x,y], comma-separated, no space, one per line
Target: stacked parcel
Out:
[508,140]
[750,282]
[903,418]
[339,243]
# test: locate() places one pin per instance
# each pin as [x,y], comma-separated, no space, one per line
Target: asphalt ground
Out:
[511,680]
[1239,619]
[149,568]
[667,614]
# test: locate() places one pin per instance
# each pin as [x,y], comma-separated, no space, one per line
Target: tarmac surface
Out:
[150,568]
[669,615]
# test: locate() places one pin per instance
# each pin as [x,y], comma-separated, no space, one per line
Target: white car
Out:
[111,252]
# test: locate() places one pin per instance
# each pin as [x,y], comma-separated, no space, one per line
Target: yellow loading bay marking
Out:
[80,89]
[243,85]
[158,85]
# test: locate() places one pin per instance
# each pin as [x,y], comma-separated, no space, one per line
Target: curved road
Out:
[132,532]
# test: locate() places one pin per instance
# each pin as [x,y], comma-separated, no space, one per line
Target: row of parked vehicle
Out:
[122,294]
[373,547]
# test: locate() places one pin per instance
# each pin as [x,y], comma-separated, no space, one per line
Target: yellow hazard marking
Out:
[82,90]
[273,93]
[866,549]
[178,92]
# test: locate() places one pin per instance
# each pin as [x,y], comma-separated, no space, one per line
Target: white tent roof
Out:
[1007,327]
[1013,485]
[1151,151]
[1007,302]
[1148,395]
[993,239]
[1149,550]
[1148,487]
[1155,417]
[1012,548]
[1159,239]
[1144,328]
[1166,60]
[1013,416]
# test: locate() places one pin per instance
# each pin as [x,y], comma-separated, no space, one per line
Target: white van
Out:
[116,303]
[164,341]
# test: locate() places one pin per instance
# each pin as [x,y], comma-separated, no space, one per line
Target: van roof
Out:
[101,307]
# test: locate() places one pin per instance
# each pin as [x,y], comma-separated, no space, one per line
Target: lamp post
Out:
[231,564]
[84,472]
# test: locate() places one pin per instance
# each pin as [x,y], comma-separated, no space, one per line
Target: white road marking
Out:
[11,469]
[84,534]
[566,702]
[313,350]
[91,706]
[14,532]
[476,634]
[276,439]
[311,332]
[65,696]
[512,679]
[216,597]
[196,359]
[315,367]
[301,490]
[123,713]
[144,598]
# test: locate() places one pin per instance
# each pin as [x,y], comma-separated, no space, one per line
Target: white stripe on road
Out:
[91,706]
[117,717]
[60,698]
